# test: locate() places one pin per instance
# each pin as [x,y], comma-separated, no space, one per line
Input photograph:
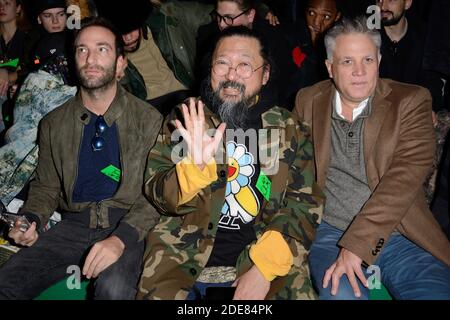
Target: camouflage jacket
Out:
[180,245]
[441,129]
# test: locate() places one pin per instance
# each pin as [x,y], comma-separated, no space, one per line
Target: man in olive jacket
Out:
[92,159]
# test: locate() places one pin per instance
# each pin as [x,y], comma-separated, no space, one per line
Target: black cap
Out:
[126,16]
[42,5]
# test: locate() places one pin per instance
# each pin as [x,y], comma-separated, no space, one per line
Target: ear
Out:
[408,4]
[251,15]
[18,9]
[338,16]
[266,74]
[39,20]
[329,66]
[121,65]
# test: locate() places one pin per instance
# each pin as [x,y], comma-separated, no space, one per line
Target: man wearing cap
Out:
[158,50]
[92,157]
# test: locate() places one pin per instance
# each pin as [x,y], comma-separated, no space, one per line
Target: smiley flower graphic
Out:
[240,199]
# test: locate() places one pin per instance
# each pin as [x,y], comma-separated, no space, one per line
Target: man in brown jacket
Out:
[374,145]
[92,157]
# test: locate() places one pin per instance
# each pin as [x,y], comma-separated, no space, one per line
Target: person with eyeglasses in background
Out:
[92,157]
[234,223]
[229,13]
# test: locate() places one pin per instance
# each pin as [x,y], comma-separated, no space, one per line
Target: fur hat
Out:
[125,16]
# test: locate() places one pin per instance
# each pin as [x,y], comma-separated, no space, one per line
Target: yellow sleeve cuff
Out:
[272,255]
[191,179]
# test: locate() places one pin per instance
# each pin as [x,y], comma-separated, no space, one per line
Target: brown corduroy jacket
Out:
[399,146]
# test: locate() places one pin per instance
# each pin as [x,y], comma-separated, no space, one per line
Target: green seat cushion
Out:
[59,291]
[380,294]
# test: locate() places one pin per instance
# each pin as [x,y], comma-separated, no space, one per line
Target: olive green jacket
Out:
[174,27]
[60,136]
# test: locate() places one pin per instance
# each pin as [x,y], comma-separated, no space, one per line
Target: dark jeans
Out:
[198,292]
[32,270]
[407,271]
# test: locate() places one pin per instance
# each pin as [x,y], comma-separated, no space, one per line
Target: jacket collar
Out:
[322,114]
[113,113]
[373,124]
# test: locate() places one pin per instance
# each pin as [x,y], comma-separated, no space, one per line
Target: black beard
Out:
[234,114]
[138,43]
[393,21]
[138,46]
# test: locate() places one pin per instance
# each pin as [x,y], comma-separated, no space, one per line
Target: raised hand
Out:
[201,147]
[272,19]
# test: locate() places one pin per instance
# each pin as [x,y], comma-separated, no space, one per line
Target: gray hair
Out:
[348,26]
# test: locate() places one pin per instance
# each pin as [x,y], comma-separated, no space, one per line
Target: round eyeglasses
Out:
[243,69]
[98,142]
[229,20]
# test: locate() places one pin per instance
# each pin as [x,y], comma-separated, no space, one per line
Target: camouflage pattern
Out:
[179,247]
[40,93]
[441,129]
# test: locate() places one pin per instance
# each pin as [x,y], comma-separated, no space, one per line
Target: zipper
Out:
[97,211]
[99,204]
[76,167]
[172,58]
[120,159]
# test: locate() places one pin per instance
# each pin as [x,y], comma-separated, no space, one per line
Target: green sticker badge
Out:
[112,172]
[264,185]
